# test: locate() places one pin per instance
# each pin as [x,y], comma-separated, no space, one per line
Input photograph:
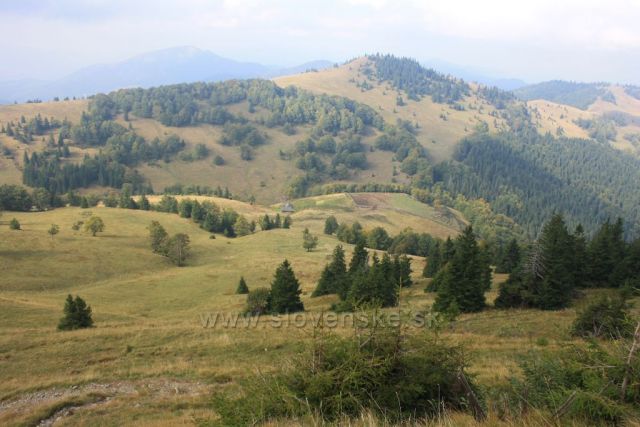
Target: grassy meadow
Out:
[149,359]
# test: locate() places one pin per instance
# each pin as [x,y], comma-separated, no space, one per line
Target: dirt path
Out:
[103,393]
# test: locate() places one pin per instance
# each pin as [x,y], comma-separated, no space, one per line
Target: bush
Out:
[604,318]
[592,375]
[218,161]
[373,371]
[14,224]
[258,301]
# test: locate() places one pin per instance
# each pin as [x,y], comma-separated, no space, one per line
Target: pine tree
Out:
[77,314]
[462,286]
[242,287]
[286,223]
[580,266]
[330,225]
[285,291]
[359,259]
[433,262]
[510,258]
[448,250]
[265,223]
[144,203]
[487,273]
[333,279]
[557,283]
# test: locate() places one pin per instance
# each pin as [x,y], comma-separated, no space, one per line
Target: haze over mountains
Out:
[173,65]
[186,64]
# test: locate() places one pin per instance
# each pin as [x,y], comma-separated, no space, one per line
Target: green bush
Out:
[14,224]
[376,370]
[604,318]
[258,301]
[589,379]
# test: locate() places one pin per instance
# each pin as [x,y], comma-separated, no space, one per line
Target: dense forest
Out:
[579,95]
[409,76]
[529,177]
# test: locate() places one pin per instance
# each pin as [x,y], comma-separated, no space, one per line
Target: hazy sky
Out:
[533,40]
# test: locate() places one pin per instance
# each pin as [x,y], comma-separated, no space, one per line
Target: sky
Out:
[580,40]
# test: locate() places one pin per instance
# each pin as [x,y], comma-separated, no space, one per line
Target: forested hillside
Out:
[267,140]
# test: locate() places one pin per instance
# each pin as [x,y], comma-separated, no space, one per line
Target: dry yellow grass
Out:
[437,135]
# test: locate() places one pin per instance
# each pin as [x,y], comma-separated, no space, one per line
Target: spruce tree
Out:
[330,225]
[77,314]
[334,278]
[487,273]
[510,258]
[242,287]
[285,291]
[556,286]
[359,259]
[580,265]
[433,262]
[448,249]
[462,287]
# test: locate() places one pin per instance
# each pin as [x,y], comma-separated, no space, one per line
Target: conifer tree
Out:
[330,225]
[334,278]
[580,265]
[433,262]
[285,290]
[510,258]
[144,203]
[242,287]
[77,314]
[558,281]
[286,222]
[462,286]
[359,259]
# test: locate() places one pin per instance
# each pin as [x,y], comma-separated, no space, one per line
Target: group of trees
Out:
[25,130]
[560,262]
[463,276]
[528,177]
[283,296]
[406,242]
[267,223]
[363,283]
[408,75]
[195,103]
[175,247]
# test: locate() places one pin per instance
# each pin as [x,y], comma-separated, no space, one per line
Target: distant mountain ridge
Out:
[168,66]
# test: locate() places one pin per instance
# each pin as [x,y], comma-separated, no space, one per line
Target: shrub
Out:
[14,224]
[587,381]
[374,370]
[258,301]
[604,318]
